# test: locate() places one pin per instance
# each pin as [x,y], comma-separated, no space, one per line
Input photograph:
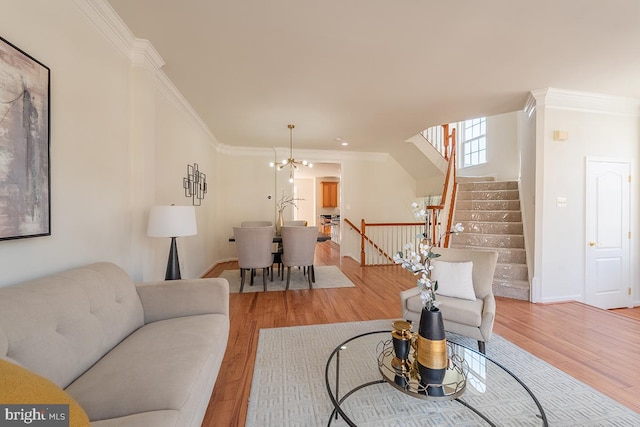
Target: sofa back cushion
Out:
[60,325]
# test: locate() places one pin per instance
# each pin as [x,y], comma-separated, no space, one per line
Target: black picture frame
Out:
[25,176]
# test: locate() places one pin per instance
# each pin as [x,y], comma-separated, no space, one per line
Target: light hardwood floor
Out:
[598,347]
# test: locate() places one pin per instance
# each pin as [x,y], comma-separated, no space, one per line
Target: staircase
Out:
[489,210]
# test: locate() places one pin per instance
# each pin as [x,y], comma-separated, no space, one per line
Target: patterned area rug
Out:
[288,387]
[327,276]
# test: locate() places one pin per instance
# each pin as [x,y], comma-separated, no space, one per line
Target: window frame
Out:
[473,150]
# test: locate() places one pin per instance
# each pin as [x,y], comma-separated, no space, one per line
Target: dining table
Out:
[322,237]
[277,238]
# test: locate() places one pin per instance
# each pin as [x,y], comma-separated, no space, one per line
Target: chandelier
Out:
[291,162]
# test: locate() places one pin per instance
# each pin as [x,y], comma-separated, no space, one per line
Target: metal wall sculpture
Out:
[195,184]
[25,209]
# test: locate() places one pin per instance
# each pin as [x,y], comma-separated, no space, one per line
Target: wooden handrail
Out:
[434,212]
[451,172]
[364,238]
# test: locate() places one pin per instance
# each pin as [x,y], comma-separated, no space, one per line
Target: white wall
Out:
[377,190]
[89,141]
[598,126]
[305,189]
[109,119]
[373,186]
[181,143]
[502,149]
[528,164]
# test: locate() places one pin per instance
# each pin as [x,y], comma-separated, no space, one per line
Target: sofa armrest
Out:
[187,297]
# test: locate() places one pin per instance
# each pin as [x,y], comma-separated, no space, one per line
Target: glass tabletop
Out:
[362,396]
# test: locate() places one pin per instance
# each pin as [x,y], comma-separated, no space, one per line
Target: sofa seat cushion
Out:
[165,365]
[167,418]
[455,310]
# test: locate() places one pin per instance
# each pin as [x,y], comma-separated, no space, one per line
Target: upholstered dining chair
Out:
[465,293]
[254,245]
[255,223]
[276,248]
[296,223]
[299,249]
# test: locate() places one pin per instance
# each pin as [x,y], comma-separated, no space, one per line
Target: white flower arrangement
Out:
[285,201]
[419,263]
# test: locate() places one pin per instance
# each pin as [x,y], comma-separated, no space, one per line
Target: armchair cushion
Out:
[454,279]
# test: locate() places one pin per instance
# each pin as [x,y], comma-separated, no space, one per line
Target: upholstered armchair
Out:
[461,314]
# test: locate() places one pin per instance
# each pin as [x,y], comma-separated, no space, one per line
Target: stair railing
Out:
[435,135]
[380,241]
[450,185]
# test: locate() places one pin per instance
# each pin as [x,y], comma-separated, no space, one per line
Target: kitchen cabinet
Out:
[330,194]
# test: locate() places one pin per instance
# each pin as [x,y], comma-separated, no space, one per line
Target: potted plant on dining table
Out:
[281,205]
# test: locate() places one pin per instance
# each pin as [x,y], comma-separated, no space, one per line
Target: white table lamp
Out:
[172,221]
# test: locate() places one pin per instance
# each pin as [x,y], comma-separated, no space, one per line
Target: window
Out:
[474,142]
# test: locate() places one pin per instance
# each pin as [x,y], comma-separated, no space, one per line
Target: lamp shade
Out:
[172,221]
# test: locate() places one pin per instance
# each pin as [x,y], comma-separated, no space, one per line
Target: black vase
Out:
[401,337]
[431,351]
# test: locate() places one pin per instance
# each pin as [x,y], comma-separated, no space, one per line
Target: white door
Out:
[608,234]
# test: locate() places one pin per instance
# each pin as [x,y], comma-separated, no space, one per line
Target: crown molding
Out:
[107,21]
[140,52]
[585,102]
[168,89]
[530,105]
[144,54]
[317,156]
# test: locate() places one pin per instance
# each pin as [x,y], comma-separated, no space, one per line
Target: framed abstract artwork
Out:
[25,205]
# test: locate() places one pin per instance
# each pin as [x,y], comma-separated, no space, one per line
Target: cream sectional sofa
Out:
[130,355]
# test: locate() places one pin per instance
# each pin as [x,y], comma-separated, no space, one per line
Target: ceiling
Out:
[376,72]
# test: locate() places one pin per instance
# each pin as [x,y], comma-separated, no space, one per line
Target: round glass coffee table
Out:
[362,393]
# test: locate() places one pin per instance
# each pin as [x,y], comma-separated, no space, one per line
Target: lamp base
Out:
[173,265]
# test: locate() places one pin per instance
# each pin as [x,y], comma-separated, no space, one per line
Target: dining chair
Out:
[276,249]
[299,249]
[254,246]
[296,223]
[255,223]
